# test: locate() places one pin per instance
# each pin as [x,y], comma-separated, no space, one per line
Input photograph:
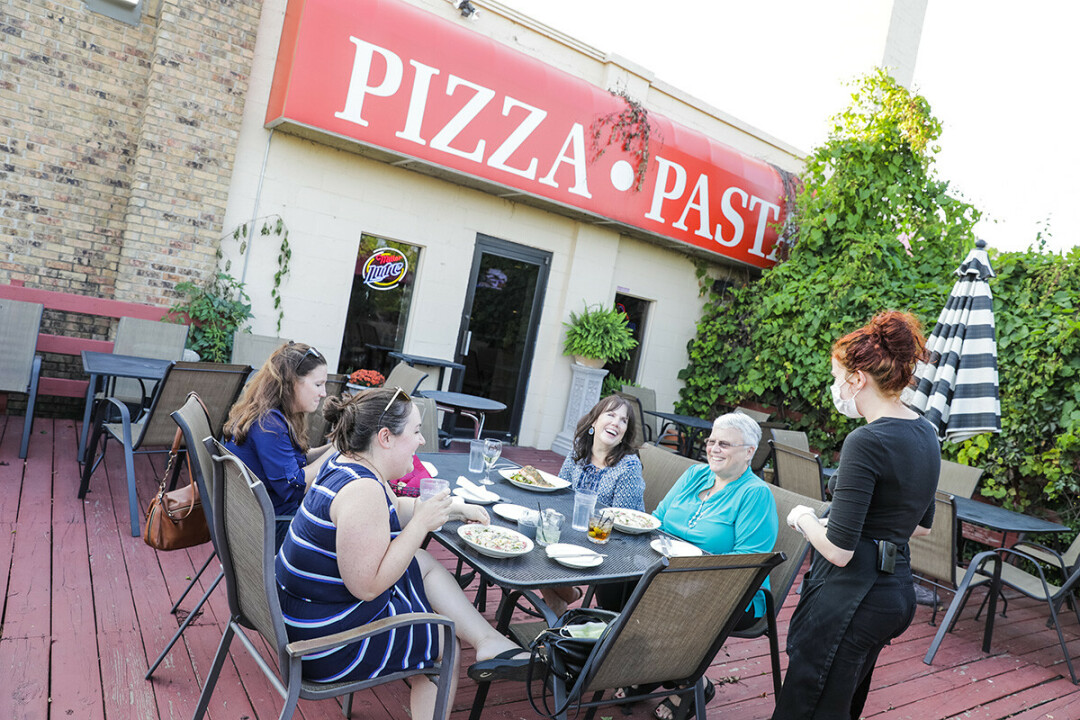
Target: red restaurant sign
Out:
[389,75]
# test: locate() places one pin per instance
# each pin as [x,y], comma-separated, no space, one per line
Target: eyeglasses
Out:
[393,397]
[311,352]
[722,445]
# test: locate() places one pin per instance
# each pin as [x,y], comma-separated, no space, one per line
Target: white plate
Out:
[557,483]
[624,521]
[574,556]
[431,469]
[481,537]
[678,548]
[510,512]
[471,497]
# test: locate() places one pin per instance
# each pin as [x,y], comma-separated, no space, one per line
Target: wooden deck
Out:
[85,605]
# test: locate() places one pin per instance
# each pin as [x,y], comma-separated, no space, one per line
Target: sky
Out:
[1001,77]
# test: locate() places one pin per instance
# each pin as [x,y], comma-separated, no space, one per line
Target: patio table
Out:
[472,406]
[103,366]
[628,556]
[691,427]
[998,518]
[414,360]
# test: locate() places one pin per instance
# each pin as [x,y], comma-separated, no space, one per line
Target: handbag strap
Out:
[178,440]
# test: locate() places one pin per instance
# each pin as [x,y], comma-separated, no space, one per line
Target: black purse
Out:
[557,654]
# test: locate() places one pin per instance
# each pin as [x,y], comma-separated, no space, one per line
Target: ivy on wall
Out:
[874,228]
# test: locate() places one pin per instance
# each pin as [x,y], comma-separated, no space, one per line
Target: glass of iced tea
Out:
[600,523]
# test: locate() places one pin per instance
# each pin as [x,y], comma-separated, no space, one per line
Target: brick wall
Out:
[117,144]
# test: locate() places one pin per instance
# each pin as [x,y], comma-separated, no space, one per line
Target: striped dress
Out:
[316,602]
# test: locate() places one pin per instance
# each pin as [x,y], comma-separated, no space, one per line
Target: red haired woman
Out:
[858,595]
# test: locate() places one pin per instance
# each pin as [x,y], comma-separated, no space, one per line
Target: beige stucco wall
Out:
[328,197]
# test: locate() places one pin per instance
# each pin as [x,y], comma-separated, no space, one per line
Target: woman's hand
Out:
[470,513]
[797,512]
[432,513]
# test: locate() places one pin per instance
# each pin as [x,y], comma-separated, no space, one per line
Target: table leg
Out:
[90,390]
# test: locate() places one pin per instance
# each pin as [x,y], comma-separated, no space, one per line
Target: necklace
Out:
[366,462]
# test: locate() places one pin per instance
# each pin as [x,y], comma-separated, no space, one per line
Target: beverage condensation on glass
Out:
[584,502]
[430,487]
[476,457]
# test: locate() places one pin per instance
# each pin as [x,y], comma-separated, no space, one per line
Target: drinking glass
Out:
[476,456]
[492,451]
[549,530]
[584,502]
[600,523]
[430,487]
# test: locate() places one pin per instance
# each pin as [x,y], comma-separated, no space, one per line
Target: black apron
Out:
[830,597]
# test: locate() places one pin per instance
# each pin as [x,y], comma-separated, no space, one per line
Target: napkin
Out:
[474,492]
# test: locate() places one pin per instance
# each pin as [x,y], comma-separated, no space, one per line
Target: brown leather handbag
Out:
[175,519]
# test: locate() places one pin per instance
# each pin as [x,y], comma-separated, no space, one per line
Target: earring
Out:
[590,431]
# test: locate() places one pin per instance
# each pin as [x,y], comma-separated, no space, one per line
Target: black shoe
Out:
[504,666]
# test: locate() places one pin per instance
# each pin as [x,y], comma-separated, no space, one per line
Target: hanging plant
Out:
[628,130]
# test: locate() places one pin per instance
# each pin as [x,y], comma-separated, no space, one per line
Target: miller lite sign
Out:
[384,269]
[387,75]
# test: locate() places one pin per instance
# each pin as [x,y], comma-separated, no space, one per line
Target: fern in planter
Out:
[215,311]
[599,333]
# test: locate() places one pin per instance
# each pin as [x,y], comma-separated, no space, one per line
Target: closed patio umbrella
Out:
[957,389]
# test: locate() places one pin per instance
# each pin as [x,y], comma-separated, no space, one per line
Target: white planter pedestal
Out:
[585,385]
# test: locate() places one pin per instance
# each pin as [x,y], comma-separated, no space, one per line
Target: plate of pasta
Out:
[633,522]
[495,541]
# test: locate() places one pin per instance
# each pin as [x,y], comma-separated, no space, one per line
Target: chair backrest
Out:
[676,620]
[429,424]
[957,479]
[798,471]
[790,542]
[660,469]
[253,350]
[792,438]
[195,425]
[19,325]
[755,415]
[641,433]
[934,555]
[217,384]
[244,526]
[769,434]
[405,377]
[316,423]
[647,401]
[149,339]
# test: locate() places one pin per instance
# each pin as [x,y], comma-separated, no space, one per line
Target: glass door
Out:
[498,329]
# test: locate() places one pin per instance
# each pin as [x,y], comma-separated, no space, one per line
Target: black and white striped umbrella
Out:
[957,389]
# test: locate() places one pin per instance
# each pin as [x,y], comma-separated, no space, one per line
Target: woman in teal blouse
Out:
[723,508]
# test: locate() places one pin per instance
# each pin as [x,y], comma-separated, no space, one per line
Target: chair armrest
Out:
[1055,556]
[306,647]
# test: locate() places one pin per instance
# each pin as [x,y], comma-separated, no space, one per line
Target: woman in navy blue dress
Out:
[352,556]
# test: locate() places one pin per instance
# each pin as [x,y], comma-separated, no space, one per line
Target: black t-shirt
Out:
[884,486]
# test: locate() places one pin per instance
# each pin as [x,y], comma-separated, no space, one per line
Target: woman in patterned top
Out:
[352,556]
[605,460]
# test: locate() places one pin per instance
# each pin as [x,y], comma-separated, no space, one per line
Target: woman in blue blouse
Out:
[604,459]
[267,427]
[723,508]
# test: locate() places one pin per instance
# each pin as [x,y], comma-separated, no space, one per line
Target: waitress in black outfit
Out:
[858,594]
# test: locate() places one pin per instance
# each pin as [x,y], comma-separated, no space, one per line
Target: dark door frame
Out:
[514,251]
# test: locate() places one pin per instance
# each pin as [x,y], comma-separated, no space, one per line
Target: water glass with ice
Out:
[584,502]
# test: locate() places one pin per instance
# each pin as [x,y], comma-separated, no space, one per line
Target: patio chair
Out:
[675,622]
[20,366]
[195,425]
[798,471]
[660,469]
[653,429]
[795,548]
[1003,574]
[1065,562]
[219,386]
[934,556]
[405,377]
[244,526]
[253,350]
[792,438]
[755,415]
[429,424]
[316,423]
[775,431]
[959,480]
[149,339]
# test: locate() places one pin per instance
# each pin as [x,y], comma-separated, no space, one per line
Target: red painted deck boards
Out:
[85,609]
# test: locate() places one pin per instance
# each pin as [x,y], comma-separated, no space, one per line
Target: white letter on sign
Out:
[521,134]
[701,195]
[660,194]
[576,139]
[361,76]
[417,103]
[767,208]
[465,115]
[731,214]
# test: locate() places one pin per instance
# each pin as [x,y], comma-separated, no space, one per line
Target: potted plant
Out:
[598,335]
[361,379]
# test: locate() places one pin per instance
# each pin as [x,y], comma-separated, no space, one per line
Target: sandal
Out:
[504,666]
[672,708]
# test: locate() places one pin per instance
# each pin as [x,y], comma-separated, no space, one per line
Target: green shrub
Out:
[215,311]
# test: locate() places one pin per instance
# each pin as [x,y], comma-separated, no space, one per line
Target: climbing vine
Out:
[629,130]
[272,225]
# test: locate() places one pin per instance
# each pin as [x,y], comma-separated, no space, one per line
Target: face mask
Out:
[844,407]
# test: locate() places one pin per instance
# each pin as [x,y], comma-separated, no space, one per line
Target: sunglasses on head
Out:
[311,352]
[397,392]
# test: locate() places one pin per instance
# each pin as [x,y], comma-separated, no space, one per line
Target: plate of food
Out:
[495,541]
[633,522]
[530,478]
[574,556]
[674,548]
[509,511]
